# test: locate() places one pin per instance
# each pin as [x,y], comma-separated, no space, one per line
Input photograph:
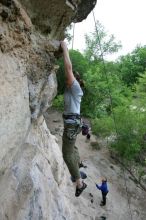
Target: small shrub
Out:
[129,128]
[58,103]
[103,126]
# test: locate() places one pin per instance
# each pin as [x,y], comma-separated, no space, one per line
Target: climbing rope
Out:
[104,69]
[73,36]
[111,104]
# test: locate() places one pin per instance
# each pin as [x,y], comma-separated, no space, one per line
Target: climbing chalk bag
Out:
[85,129]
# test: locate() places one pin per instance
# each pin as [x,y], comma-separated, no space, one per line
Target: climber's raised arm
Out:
[67,65]
[72,121]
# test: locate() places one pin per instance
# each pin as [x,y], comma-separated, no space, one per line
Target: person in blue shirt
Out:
[104,190]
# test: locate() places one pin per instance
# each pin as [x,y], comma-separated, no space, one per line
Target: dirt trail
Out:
[119,205]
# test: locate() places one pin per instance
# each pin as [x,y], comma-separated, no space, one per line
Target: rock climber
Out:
[72,120]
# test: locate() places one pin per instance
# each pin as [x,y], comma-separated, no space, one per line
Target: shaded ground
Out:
[125,201]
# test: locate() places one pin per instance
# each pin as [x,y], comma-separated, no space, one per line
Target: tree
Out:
[132,65]
[103,88]
[79,62]
[140,93]
[99,42]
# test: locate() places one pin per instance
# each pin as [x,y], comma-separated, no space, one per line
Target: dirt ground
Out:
[125,200]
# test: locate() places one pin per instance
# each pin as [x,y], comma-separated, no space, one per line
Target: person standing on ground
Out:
[104,190]
[72,120]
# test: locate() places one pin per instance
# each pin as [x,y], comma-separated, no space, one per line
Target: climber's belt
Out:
[72,125]
[71,116]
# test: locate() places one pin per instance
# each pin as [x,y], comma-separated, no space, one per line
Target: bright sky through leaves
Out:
[123,18]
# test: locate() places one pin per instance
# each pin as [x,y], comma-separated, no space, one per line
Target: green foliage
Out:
[79,62]
[99,42]
[132,65]
[94,87]
[130,127]
[103,126]
[140,92]
[58,103]
[103,89]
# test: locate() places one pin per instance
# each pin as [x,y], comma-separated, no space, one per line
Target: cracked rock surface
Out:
[33,177]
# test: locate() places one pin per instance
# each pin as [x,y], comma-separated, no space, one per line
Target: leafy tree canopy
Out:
[99,42]
[132,65]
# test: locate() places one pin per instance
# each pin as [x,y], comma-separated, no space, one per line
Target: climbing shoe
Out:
[80,190]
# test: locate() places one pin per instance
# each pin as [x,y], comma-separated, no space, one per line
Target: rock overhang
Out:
[52,16]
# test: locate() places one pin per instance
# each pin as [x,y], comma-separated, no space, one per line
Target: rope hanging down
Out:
[111,103]
[104,68]
[73,36]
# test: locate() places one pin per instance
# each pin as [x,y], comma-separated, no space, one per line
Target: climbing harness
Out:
[111,104]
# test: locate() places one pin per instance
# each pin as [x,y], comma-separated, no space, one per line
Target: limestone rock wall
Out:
[32,173]
[33,186]
[53,16]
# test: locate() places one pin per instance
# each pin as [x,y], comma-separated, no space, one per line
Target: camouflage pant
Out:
[69,150]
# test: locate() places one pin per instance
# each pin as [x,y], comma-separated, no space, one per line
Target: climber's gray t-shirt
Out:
[72,98]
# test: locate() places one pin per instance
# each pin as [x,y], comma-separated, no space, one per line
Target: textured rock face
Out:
[32,186]
[53,16]
[14,107]
[32,173]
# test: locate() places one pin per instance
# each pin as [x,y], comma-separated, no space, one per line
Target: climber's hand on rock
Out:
[63,45]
